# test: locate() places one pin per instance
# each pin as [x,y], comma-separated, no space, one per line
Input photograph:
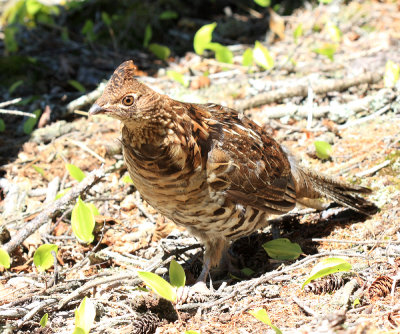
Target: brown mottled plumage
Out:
[208,168]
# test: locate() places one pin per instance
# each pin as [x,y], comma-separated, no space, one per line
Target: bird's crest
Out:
[123,75]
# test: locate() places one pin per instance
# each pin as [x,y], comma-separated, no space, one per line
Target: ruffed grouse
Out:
[208,168]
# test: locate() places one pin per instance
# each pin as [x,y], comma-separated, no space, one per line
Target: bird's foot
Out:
[197,293]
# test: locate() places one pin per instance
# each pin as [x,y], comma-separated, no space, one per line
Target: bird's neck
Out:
[142,137]
[158,134]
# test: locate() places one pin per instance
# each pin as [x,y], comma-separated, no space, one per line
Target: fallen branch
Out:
[53,209]
[84,100]
[357,242]
[366,118]
[307,310]
[17,113]
[302,90]
[34,311]
[10,102]
[95,283]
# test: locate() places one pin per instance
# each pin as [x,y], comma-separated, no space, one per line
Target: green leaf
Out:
[4,258]
[61,193]
[82,222]
[88,30]
[78,86]
[356,302]
[192,332]
[33,7]
[39,170]
[148,33]
[326,267]
[262,57]
[84,316]
[298,32]
[15,85]
[177,275]
[223,54]
[262,315]
[43,259]
[160,51]
[247,271]
[10,41]
[323,149]
[65,34]
[263,3]
[30,123]
[78,330]
[326,2]
[168,15]
[43,321]
[93,208]
[327,50]
[2,125]
[203,37]
[28,100]
[106,19]
[178,77]
[247,58]
[333,31]
[127,179]
[282,249]
[75,172]
[392,74]
[159,285]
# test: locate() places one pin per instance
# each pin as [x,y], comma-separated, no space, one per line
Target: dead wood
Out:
[52,210]
[302,90]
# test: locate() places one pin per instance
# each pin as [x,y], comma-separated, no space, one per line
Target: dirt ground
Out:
[345,104]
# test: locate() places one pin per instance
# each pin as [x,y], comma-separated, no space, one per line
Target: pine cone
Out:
[208,168]
[147,323]
[325,285]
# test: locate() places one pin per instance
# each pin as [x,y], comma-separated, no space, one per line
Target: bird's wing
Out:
[246,164]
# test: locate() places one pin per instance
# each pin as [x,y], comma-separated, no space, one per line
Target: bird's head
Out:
[125,98]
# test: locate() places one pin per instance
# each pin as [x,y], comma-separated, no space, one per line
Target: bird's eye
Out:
[128,100]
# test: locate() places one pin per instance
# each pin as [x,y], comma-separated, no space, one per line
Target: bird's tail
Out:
[309,184]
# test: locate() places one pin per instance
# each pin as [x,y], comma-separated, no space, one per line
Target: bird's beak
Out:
[95,110]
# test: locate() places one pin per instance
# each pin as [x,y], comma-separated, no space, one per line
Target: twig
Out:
[357,242]
[366,118]
[139,205]
[305,308]
[10,102]
[35,310]
[124,259]
[87,149]
[81,112]
[17,112]
[246,287]
[92,284]
[119,277]
[302,90]
[350,108]
[52,209]
[374,169]
[85,99]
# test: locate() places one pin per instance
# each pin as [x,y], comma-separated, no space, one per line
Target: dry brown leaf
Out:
[61,229]
[200,82]
[276,24]
[128,203]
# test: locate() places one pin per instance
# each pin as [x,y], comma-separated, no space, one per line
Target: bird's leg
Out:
[205,271]
[214,250]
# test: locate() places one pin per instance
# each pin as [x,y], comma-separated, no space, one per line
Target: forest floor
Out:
[344,102]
